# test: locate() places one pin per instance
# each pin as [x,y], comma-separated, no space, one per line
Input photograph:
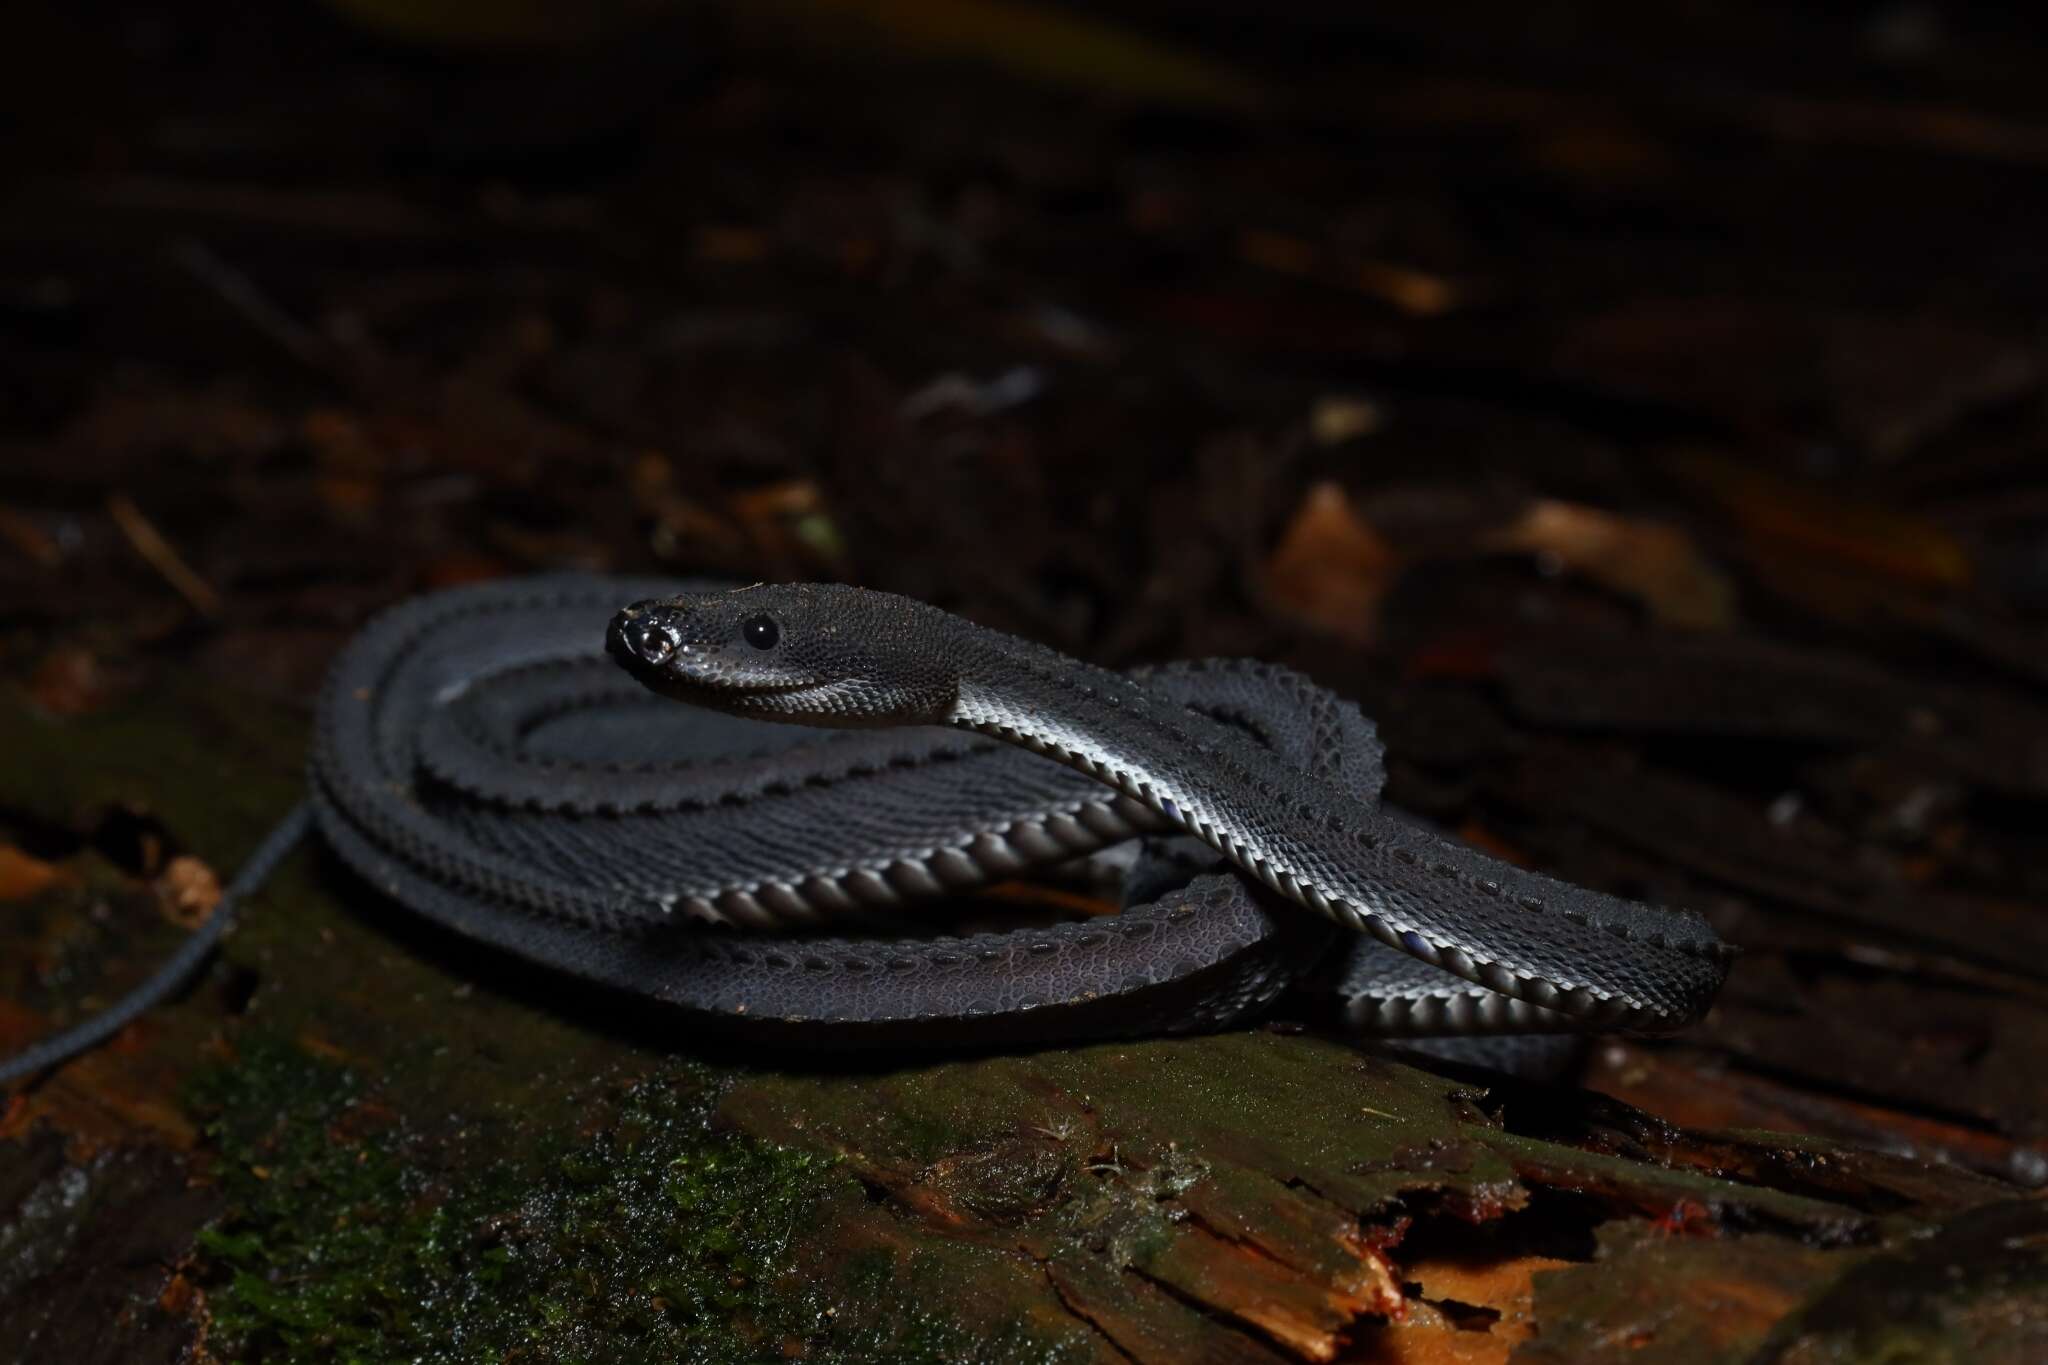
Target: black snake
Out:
[478,757]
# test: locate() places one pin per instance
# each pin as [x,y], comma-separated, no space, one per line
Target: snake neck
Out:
[1595,956]
[1187,768]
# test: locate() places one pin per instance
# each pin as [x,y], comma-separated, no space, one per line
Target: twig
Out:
[151,545]
[240,293]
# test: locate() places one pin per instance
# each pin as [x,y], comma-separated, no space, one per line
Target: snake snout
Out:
[646,634]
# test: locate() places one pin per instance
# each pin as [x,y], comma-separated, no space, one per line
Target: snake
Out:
[743,803]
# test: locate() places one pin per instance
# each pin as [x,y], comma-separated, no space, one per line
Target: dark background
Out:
[1639,408]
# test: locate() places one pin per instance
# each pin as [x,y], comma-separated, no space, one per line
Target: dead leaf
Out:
[1336,419]
[1331,568]
[1415,292]
[1655,564]
[188,890]
[791,525]
[120,1092]
[1822,524]
[181,1297]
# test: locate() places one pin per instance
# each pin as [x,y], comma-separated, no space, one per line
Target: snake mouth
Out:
[721,693]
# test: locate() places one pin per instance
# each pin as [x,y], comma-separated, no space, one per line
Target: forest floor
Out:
[1642,416]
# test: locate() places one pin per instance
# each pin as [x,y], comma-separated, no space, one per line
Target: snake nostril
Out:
[642,633]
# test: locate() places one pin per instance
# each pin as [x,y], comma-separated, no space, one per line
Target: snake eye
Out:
[760,631]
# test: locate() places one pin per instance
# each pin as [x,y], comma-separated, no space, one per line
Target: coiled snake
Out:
[478,757]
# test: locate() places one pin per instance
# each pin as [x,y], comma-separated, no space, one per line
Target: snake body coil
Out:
[478,758]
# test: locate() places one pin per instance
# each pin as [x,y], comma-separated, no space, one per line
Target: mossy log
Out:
[356,1139]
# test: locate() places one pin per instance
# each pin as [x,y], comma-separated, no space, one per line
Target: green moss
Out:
[918,1330]
[649,1236]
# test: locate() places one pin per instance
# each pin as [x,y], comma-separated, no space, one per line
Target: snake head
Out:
[804,653]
